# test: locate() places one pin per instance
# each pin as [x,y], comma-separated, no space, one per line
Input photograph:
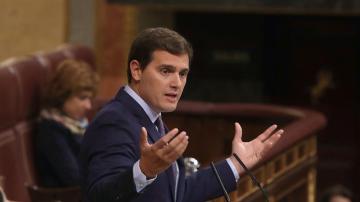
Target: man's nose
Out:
[176,81]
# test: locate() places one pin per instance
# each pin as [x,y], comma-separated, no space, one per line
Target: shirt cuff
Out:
[233,169]
[139,178]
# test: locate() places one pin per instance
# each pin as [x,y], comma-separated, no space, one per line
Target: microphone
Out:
[253,178]
[226,195]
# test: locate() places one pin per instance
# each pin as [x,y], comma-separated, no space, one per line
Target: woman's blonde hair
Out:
[70,78]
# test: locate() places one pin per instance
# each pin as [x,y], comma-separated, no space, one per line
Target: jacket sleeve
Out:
[203,185]
[109,152]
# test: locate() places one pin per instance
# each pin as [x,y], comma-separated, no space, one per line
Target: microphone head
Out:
[191,165]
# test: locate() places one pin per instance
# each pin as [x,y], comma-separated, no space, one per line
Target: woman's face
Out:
[77,105]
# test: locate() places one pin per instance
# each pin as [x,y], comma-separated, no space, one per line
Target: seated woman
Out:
[62,123]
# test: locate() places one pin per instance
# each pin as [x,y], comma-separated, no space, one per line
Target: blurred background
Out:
[302,53]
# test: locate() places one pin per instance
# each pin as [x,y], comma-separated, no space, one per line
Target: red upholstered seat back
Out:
[21,83]
[9,93]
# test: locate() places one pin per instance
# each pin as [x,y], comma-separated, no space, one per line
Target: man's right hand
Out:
[156,158]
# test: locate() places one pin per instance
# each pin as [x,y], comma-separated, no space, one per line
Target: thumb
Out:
[143,138]
[238,131]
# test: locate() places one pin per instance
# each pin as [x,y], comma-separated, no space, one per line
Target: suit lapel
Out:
[181,182]
[169,172]
[153,134]
[171,179]
[139,112]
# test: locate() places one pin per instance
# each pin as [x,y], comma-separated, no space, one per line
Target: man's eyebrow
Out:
[172,67]
[167,66]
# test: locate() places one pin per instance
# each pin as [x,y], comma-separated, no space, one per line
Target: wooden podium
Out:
[287,172]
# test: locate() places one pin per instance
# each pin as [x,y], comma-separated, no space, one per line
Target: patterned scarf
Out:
[75,126]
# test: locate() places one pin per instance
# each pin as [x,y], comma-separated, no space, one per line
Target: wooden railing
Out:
[288,171]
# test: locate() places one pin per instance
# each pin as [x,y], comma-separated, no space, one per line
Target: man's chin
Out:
[169,108]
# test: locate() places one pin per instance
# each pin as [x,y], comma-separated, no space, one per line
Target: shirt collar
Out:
[152,114]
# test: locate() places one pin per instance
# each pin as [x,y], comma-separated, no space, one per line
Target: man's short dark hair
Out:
[153,39]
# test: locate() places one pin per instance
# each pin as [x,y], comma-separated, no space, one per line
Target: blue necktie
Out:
[161,129]
[160,126]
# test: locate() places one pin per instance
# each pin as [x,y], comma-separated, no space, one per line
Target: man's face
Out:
[162,81]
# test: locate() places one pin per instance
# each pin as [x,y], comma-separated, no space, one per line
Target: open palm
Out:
[252,152]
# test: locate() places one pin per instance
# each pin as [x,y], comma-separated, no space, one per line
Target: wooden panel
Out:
[288,170]
[29,26]
[313,62]
[260,6]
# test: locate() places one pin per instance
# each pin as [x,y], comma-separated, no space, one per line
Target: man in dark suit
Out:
[128,154]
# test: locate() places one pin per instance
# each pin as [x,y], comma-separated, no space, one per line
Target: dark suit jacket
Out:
[111,147]
[56,156]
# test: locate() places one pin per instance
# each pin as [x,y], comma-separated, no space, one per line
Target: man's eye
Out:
[183,74]
[165,71]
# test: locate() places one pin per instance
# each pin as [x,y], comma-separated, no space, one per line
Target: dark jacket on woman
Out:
[57,150]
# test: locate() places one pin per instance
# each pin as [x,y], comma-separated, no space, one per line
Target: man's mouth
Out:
[171,96]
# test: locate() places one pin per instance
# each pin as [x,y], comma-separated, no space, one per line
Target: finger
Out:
[238,132]
[182,147]
[177,139]
[143,138]
[170,135]
[179,150]
[265,135]
[174,151]
[274,138]
[165,139]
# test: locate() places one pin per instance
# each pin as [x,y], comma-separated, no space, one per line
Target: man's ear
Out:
[135,69]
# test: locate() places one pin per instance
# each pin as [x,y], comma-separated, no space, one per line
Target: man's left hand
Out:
[252,152]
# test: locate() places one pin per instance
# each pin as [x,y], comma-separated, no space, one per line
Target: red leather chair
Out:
[21,83]
[40,194]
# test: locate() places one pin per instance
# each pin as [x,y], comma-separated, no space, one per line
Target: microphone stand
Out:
[253,178]
[226,195]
